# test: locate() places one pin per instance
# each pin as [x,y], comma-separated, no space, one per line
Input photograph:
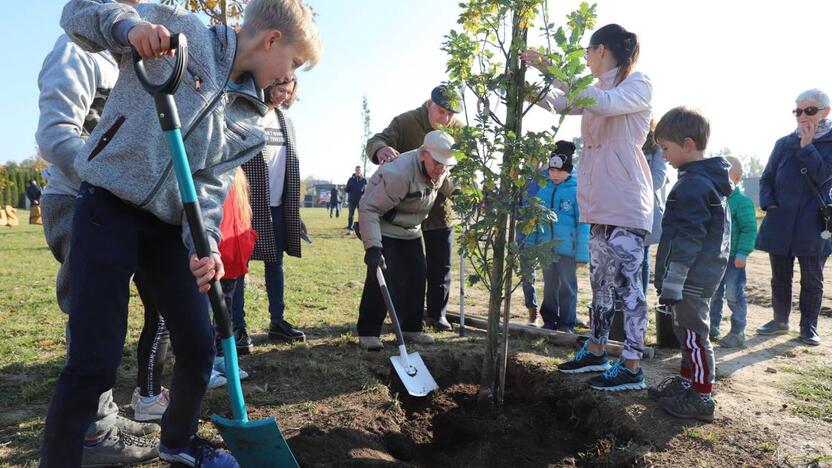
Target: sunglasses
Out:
[810,111]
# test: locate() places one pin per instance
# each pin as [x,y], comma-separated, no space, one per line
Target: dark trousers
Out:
[335,206]
[238,302]
[438,258]
[811,288]
[110,241]
[560,293]
[351,213]
[405,278]
[153,345]
[274,270]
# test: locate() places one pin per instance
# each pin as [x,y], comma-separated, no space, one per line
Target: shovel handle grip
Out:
[180,63]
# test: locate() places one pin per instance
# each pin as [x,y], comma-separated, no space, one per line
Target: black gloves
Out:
[374,259]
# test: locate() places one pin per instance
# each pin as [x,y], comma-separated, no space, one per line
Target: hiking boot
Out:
[418,337]
[733,340]
[243,341]
[714,333]
[370,343]
[136,429]
[119,449]
[219,366]
[809,336]
[668,388]
[285,331]
[198,452]
[584,361]
[534,317]
[618,378]
[149,408]
[441,324]
[773,328]
[689,405]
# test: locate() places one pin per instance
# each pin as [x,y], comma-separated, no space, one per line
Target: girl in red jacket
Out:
[236,248]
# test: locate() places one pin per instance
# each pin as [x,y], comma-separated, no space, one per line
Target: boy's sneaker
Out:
[217,380]
[145,409]
[669,387]
[219,366]
[198,452]
[689,405]
[618,378]
[243,341]
[773,328]
[584,361]
[119,449]
[733,340]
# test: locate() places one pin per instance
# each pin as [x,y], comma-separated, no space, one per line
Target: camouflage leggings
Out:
[616,255]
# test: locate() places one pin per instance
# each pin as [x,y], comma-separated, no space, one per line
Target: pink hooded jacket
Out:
[615,186]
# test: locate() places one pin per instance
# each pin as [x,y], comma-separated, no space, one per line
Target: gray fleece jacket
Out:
[69,81]
[127,154]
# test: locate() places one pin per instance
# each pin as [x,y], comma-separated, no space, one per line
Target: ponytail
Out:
[622,44]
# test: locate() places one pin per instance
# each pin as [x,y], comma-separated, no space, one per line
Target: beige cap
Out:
[440,147]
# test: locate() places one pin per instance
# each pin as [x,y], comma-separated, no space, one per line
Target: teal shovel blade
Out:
[255,444]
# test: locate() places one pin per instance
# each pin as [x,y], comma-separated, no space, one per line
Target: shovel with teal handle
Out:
[253,443]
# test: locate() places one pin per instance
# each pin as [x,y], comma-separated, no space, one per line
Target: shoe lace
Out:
[582,353]
[614,371]
[204,450]
[135,441]
[668,382]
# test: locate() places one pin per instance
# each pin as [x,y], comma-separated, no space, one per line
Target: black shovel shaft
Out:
[385,293]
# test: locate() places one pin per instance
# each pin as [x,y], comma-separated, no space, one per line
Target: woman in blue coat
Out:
[792,225]
[571,242]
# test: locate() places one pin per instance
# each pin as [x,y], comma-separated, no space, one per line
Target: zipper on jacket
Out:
[552,203]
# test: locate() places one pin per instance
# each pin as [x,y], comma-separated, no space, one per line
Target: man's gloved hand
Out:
[673,283]
[356,230]
[374,258]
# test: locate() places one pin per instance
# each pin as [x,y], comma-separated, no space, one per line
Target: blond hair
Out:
[293,18]
[241,196]
[736,166]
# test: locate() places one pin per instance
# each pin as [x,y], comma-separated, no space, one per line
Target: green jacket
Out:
[407,132]
[743,224]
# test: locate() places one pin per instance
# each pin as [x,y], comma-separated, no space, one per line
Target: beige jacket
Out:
[397,199]
[615,187]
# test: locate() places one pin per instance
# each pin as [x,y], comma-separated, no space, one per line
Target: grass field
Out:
[332,400]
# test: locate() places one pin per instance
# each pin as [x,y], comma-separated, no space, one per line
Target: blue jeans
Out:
[732,288]
[529,293]
[274,270]
[110,241]
[560,293]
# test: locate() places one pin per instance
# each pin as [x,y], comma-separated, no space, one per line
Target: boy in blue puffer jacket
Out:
[571,247]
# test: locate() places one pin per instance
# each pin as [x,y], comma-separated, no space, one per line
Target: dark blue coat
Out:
[355,189]
[792,224]
[696,228]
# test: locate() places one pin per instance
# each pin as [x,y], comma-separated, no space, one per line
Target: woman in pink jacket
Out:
[615,195]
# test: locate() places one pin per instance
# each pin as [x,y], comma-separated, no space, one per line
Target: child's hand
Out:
[205,269]
[150,40]
[739,262]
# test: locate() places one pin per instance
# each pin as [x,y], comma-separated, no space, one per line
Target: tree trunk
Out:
[500,283]
[224,12]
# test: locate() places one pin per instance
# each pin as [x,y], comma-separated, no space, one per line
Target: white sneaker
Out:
[152,410]
[219,366]
[217,380]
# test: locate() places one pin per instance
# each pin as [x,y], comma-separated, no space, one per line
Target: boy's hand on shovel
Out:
[150,40]
[204,270]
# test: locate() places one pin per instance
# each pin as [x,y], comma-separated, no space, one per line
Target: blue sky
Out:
[743,68]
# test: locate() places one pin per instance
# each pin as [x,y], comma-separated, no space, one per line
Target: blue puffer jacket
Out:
[792,224]
[572,237]
[696,228]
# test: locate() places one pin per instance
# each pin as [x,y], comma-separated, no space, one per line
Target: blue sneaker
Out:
[199,452]
[618,378]
[584,361]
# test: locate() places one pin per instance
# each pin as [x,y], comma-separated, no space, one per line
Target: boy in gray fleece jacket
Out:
[128,214]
